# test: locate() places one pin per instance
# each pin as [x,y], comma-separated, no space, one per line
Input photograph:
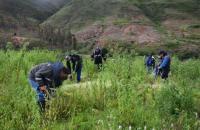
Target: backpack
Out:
[150,61]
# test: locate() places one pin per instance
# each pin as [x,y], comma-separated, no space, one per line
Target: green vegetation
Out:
[121,95]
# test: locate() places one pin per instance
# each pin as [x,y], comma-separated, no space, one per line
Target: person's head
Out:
[15,34]
[98,48]
[64,73]
[162,54]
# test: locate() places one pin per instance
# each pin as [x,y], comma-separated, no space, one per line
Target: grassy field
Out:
[121,96]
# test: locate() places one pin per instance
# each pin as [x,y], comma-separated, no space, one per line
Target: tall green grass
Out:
[121,96]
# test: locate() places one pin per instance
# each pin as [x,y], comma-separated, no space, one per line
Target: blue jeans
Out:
[78,72]
[40,95]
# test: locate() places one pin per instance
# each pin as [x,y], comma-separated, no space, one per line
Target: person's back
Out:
[98,52]
[150,63]
[149,60]
[165,64]
[57,78]
[77,63]
[41,72]
[46,76]
[77,58]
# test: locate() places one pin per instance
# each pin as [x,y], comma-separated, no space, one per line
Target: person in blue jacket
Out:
[164,66]
[150,63]
[45,76]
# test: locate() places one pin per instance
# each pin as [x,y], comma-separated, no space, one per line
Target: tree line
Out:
[58,37]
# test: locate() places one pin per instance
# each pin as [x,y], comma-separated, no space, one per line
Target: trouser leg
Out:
[40,95]
[149,69]
[41,101]
[165,73]
[79,74]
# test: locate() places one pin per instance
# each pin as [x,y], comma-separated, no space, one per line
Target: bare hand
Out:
[43,89]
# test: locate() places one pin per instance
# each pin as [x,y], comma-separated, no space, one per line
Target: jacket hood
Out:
[57,67]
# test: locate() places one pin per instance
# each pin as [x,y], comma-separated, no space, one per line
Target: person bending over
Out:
[45,76]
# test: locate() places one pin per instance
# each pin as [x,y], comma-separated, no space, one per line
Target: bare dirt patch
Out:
[134,33]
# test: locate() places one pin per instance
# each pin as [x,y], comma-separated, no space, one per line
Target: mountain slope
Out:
[104,20]
[15,12]
[129,21]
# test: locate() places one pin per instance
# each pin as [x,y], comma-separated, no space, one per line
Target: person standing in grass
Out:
[97,56]
[16,41]
[150,63]
[164,66]
[75,63]
[45,76]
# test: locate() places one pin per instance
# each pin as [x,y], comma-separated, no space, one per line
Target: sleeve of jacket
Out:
[45,72]
[69,66]
[165,62]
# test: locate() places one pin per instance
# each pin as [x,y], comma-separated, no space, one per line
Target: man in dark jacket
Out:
[97,56]
[75,64]
[164,66]
[45,76]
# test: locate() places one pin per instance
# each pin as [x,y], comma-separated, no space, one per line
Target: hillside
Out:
[145,22]
[102,19]
[146,25]
[19,12]
[23,17]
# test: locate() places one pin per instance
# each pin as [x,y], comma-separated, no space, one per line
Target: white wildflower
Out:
[120,127]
